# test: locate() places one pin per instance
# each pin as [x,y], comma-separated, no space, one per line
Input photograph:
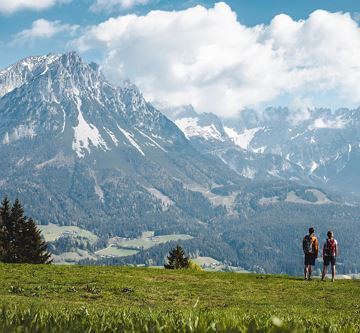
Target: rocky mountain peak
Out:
[22,71]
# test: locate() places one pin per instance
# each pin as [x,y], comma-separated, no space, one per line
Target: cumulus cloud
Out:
[207,58]
[43,29]
[11,6]
[107,5]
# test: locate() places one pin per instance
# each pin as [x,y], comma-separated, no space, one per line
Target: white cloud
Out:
[207,58]
[11,6]
[107,5]
[43,29]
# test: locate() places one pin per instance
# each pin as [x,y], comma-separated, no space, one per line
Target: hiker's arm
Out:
[303,244]
[337,249]
[316,247]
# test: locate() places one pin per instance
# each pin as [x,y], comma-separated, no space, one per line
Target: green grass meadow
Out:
[50,298]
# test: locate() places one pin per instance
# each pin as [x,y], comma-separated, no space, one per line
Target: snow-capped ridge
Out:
[72,101]
[191,128]
[15,75]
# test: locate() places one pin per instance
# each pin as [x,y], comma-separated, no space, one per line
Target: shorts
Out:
[310,259]
[329,260]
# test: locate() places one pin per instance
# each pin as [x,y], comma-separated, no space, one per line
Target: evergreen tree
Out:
[177,259]
[35,248]
[18,221]
[20,238]
[6,231]
[2,235]
[1,239]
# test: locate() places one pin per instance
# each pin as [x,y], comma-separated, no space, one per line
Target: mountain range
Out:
[80,151]
[319,147]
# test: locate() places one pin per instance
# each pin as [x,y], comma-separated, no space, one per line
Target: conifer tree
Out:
[35,249]
[20,238]
[6,231]
[18,221]
[2,237]
[177,259]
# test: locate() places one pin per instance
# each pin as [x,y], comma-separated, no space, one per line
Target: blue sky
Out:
[250,12]
[61,25]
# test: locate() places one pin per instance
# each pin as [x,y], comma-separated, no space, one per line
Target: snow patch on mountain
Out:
[244,139]
[260,150]
[20,132]
[130,138]
[22,161]
[248,173]
[64,121]
[85,133]
[300,165]
[274,172]
[313,166]
[337,123]
[6,139]
[349,152]
[153,141]
[297,135]
[112,136]
[191,128]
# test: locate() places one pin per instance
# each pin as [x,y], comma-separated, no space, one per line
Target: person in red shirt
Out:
[330,252]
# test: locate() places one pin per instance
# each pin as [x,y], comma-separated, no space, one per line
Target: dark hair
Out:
[330,233]
[311,230]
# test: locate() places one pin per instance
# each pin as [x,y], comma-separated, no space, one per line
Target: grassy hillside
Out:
[121,299]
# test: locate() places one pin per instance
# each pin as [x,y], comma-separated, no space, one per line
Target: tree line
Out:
[20,238]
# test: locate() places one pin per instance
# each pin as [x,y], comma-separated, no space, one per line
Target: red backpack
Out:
[330,248]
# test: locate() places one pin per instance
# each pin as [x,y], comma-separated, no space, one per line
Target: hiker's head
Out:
[311,230]
[330,234]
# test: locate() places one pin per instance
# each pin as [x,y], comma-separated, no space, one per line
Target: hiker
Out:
[330,252]
[311,249]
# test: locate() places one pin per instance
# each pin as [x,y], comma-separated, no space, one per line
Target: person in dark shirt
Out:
[311,249]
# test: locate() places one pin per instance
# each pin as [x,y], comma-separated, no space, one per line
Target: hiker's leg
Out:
[333,272]
[305,271]
[324,272]
[310,271]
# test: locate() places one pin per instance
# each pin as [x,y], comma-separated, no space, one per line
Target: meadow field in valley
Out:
[49,298]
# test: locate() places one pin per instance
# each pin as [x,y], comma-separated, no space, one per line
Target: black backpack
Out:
[308,244]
